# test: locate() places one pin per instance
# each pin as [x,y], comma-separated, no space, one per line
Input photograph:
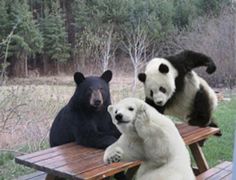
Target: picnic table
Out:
[77,162]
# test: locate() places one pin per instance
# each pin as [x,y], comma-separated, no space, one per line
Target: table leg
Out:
[51,177]
[131,172]
[199,157]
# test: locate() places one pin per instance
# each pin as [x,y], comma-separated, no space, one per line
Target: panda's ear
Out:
[163,68]
[142,77]
[78,78]
[107,76]
[110,109]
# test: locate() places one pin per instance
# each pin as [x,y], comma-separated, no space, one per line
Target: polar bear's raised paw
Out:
[141,118]
[115,155]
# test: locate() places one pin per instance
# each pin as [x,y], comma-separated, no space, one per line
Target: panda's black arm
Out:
[192,59]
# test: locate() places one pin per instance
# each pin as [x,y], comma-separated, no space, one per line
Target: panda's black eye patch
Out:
[151,93]
[163,90]
[116,112]
[131,109]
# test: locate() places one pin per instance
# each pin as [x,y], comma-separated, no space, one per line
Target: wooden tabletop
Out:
[78,162]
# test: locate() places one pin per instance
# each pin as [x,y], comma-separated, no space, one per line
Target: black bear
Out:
[85,119]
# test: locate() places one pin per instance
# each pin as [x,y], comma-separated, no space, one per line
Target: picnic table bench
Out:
[77,162]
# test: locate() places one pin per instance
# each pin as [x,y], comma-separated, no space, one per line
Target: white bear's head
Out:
[124,114]
[159,80]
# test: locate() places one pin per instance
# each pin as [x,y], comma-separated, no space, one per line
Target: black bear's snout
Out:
[119,117]
[96,99]
[97,102]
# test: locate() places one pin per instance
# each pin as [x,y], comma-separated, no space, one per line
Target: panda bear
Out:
[173,88]
[151,137]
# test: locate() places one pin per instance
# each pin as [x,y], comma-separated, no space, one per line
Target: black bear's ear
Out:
[107,75]
[163,68]
[142,77]
[78,78]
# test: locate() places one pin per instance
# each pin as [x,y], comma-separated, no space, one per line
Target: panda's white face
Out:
[159,83]
[123,115]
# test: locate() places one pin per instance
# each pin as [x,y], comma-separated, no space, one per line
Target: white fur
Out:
[151,137]
[155,79]
[181,107]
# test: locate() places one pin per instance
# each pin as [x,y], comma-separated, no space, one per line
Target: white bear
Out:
[151,137]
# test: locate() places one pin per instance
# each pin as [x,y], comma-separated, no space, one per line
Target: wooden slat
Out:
[224,165]
[46,151]
[74,161]
[188,130]
[58,160]
[108,170]
[219,172]
[33,176]
[200,135]
[61,163]
[219,175]
[65,154]
[208,174]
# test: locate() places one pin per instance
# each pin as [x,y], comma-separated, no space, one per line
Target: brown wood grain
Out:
[78,162]
[223,171]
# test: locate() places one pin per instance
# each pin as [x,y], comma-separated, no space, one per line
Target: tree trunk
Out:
[135,80]
[45,64]
[26,66]
[58,67]
[20,68]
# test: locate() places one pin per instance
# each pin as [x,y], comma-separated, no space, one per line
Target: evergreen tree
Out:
[27,40]
[3,20]
[56,47]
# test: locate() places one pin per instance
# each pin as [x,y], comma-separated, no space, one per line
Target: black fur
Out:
[163,68]
[201,114]
[142,77]
[201,109]
[85,124]
[79,121]
[184,62]
[188,60]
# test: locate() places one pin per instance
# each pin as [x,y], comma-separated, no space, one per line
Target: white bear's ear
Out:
[110,109]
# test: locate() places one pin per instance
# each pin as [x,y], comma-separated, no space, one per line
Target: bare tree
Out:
[214,36]
[135,45]
[108,47]
[5,64]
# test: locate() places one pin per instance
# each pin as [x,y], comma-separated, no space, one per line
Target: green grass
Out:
[9,169]
[218,149]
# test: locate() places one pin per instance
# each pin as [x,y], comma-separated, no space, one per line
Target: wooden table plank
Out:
[74,161]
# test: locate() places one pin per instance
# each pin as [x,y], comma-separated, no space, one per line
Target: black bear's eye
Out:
[131,109]
[163,90]
[151,93]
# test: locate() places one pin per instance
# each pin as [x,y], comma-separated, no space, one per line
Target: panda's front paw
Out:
[113,156]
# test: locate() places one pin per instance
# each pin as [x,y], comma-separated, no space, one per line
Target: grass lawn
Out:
[41,110]
[221,149]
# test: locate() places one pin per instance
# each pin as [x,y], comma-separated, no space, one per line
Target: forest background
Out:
[50,37]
